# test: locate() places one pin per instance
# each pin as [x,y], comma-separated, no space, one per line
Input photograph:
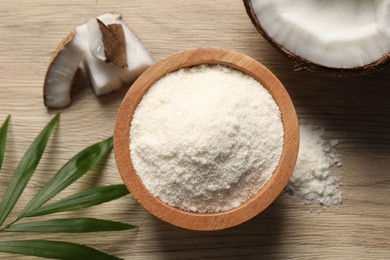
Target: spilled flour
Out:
[312,180]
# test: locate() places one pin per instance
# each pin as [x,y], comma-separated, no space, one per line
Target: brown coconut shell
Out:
[301,63]
[114,44]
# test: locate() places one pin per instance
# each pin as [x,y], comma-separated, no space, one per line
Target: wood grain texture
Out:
[356,111]
[251,207]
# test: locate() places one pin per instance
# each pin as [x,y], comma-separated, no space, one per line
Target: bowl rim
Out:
[251,207]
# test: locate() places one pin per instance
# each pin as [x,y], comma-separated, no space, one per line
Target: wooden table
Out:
[356,111]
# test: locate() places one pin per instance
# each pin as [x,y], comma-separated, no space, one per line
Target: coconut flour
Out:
[312,180]
[206,138]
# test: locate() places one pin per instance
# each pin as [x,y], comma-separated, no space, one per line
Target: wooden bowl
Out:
[252,206]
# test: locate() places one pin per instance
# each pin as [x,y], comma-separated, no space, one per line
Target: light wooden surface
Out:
[354,110]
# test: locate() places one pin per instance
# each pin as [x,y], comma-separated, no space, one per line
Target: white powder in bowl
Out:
[206,138]
[312,180]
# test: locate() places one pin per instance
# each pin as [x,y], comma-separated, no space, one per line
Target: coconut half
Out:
[336,37]
[112,55]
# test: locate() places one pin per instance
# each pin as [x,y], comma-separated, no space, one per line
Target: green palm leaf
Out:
[83,199]
[25,169]
[53,249]
[76,167]
[3,138]
[71,225]
[68,174]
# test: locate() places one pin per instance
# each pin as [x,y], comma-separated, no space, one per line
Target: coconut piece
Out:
[106,77]
[336,37]
[102,75]
[112,55]
[62,69]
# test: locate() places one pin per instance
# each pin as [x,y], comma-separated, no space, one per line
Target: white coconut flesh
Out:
[331,33]
[106,77]
[86,44]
